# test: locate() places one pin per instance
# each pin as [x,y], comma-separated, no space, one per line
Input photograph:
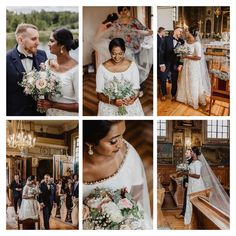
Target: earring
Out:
[90,151]
[61,51]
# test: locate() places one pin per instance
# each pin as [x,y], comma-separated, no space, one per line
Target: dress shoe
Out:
[163,98]
[173,98]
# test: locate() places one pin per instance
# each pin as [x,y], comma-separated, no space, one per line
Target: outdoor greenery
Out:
[44,20]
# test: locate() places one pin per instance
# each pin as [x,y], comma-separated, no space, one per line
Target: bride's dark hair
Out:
[117,42]
[111,18]
[65,37]
[193,31]
[95,130]
[196,150]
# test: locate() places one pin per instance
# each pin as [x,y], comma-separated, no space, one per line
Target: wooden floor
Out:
[55,224]
[140,135]
[169,108]
[170,211]
[90,102]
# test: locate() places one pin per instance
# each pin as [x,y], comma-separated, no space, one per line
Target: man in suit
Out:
[169,62]
[16,187]
[188,160]
[22,59]
[160,37]
[47,198]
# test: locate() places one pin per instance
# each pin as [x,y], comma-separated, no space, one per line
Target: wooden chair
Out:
[29,224]
[219,91]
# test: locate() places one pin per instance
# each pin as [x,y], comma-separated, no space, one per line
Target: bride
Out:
[65,68]
[194,82]
[200,177]
[110,162]
[29,207]
[118,67]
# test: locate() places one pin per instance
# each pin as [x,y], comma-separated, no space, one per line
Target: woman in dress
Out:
[195,183]
[194,82]
[29,207]
[133,32]
[118,67]
[110,162]
[65,68]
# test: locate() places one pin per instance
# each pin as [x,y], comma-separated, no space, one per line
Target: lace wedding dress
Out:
[194,81]
[103,76]
[29,207]
[194,185]
[130,175]
[69,84]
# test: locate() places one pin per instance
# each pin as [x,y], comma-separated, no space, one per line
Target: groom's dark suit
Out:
[18,104]
[171,61]
[47,197]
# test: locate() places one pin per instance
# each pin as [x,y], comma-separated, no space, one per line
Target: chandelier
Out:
[21,138]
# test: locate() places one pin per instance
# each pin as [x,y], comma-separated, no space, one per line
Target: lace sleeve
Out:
[99,80]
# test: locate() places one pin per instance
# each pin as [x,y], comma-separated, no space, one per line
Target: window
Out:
[76,147]
[218,129]
[161,128]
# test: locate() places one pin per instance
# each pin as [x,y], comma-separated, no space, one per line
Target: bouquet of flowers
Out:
[34,191]
[181,50]
[107,209]
[119,89]
[40,84]
[182,167]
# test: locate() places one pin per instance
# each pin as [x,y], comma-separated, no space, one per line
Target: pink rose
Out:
[125,203]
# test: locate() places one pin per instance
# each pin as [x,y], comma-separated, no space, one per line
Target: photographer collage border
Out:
[154,118]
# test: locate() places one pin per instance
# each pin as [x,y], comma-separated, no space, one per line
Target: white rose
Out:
[94,202]
[43,75]
[113,211]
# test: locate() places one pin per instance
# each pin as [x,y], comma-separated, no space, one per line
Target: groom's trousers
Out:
[46,215]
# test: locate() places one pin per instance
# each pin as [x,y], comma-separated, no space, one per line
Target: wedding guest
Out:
[65,68]
[110,162]
[22,58]
[17,187]
[118,67]
[69,202]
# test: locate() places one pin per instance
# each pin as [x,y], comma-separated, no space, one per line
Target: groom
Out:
[47,198]
[22,58]
[169,62]
[188,160]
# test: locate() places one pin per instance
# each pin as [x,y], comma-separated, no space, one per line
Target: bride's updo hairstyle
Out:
[95,130]
[196,151]
[65,38]
[117,42]
[193,31]
[30,178]
[111,18]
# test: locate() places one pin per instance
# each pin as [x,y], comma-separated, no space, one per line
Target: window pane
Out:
[225,135]
[220,135]
[213,135]
[214,128]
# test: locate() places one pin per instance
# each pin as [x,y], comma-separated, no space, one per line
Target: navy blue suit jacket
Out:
[19,104]
[167,54]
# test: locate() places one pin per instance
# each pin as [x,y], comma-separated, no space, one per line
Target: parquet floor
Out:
[169,108]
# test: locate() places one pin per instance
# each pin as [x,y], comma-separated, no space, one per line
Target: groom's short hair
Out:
[21,28]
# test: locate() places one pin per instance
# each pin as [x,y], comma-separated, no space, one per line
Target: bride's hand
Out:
[119,102]
[44,104]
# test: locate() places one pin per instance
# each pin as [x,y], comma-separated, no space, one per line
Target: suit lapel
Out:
[17,61]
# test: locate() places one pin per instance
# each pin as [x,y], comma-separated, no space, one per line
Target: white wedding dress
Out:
[29,207]
[194,81]
[103,76]
[194,185]
[69,84]
[130,175]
